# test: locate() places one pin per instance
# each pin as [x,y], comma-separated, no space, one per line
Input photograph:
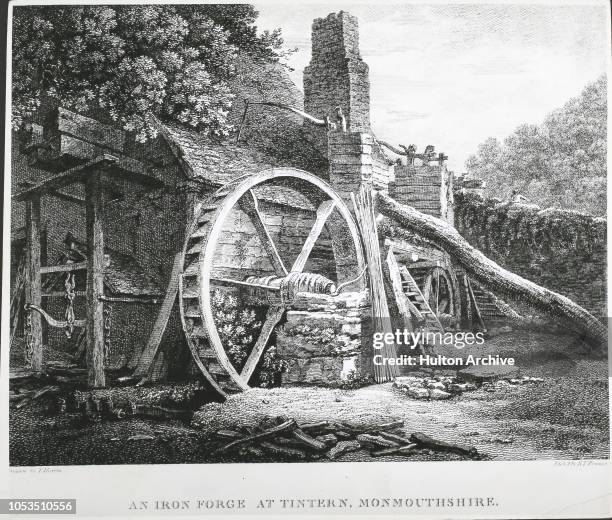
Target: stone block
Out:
[295,346]
[318,370]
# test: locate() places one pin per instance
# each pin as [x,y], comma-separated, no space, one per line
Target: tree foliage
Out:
[173,61]
[561,162]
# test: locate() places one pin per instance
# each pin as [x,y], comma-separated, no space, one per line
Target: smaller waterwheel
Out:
[440,290]
[266,273]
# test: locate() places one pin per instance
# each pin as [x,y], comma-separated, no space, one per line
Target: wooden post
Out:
[32,283]
[95,281]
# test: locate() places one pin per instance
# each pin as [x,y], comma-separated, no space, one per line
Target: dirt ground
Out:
[563,417]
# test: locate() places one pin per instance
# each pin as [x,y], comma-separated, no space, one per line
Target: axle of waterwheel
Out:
[282,289]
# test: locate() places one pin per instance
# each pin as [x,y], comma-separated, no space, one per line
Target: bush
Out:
[239,327]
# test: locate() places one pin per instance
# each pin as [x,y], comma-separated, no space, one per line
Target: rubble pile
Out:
[445,387]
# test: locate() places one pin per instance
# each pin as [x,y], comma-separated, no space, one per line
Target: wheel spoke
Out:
[275,313]
[437,290]
[324,210]
[232,282]
[248,203]
[443,306]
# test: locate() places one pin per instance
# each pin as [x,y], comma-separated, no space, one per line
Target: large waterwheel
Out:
[272,280]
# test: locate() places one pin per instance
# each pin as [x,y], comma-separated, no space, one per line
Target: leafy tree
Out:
[561,162]
[133,61]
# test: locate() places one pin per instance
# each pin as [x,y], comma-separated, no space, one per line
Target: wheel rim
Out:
[440,293]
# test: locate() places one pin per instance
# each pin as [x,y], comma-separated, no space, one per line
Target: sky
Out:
[453,75]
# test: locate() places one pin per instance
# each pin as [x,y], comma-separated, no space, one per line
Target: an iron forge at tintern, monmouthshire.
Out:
[188,299]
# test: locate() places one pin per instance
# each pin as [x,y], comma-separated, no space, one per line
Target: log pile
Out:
[91,409]
[57,389]
[27,387]
[284,438]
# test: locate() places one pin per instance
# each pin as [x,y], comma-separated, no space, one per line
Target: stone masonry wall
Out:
[561,250]
[350,166]
[426,188]
[325,339]
[336,76]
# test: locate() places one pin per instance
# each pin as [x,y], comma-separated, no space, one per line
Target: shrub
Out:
[239,327]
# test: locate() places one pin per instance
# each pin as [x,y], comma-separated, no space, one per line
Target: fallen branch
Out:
[282,450]
[373,441]
[399,450]
[317,427]
[372,429]
[429,442]
[309,441]
[228,434]
[287,426]
[396,438]
[342,448]
[37,395]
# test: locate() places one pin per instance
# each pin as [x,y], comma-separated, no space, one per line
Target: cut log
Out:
[407,449]
[16,397]
[371,429]
[275,449]
[287,426]
[228,434]
[429,442]
[309,441]
[37,395]
[342,448]
[321,426]
[396,438]
[329,439]
[252,450]
[375,441]
[491,275]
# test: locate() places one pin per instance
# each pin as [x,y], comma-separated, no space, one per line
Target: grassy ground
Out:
[566,417]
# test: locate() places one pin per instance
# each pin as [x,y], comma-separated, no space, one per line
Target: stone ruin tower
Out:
[337,76]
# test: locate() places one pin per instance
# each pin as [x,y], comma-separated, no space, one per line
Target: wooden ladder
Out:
[415,296]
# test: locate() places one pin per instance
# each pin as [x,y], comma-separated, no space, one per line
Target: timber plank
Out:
[150,351]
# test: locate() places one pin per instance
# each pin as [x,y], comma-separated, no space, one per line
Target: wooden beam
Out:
[33,284]
[150,351]
[95,281]
[145,300]
[66,178]
[396,283]
[274,315]
[248,203]
[475,307]
[67,197]
[63,268]
[324,210]
[62,294]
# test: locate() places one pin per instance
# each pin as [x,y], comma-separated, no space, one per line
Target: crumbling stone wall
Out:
[336,76]
[562,250]
[427,188]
